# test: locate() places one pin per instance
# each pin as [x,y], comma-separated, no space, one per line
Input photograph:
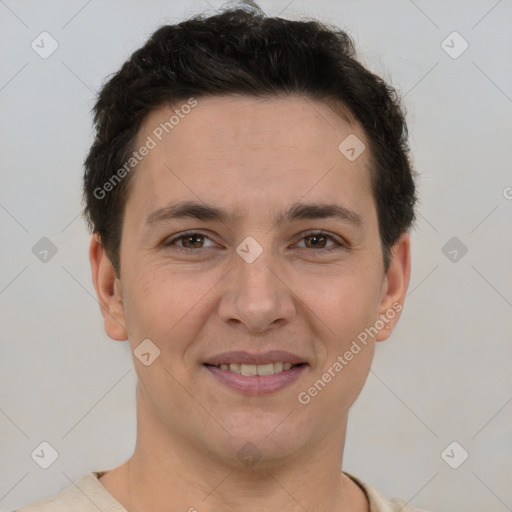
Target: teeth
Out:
[256,369]
[265,369]
[249,369]
[234,367]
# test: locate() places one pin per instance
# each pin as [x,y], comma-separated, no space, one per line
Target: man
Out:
[250,195]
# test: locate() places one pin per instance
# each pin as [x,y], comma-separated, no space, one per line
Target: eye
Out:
[318,240]
[190,241]
[193,242]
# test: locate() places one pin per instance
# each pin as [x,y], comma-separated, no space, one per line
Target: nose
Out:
[257,294]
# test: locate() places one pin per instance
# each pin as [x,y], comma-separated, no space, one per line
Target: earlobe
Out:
[395,286]
[108,290]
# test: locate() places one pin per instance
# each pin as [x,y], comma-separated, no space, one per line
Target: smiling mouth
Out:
[256,369]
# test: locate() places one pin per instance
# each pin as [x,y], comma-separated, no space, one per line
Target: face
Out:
[280,254]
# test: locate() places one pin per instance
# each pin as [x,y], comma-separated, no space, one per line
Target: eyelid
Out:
[340,243]
[183,234]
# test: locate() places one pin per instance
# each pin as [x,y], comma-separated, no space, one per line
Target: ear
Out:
[394,287]
[108,291]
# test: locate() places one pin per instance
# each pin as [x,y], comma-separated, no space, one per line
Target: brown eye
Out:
[319,240]
[190,241]
[194,240]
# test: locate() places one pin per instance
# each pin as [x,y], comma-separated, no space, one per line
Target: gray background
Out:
[443,376]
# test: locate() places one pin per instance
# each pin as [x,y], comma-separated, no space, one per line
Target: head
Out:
[296,245]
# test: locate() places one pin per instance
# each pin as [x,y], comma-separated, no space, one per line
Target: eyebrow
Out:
[297,211]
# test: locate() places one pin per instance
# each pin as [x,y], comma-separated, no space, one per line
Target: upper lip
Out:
[240,356]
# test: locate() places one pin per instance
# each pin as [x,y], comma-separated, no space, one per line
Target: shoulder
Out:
[379,502]
[85,495]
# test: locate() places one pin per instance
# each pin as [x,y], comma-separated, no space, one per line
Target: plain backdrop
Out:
[444,375]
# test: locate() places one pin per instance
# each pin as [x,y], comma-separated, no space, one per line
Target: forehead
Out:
[271,149]
[248,122]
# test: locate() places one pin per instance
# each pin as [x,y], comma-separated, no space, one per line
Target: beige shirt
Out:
[89,495]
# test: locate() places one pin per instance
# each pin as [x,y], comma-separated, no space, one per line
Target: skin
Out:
[254,157]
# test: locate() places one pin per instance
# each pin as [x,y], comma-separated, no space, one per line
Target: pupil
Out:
[192,237]
[316,237]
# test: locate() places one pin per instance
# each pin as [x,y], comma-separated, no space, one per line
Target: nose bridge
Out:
[255,271]
[255,295]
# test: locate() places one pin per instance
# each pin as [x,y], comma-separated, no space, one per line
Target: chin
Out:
[268,434]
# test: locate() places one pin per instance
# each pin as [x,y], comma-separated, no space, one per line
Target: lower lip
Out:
[258,384]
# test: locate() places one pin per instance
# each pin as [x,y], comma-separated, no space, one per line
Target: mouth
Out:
[256,379]
[251,370]
[256,373]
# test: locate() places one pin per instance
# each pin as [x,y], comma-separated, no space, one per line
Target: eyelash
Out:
[169,243]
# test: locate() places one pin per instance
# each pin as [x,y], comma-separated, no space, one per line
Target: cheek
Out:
[345,351]
[346,300]
[165,304]
[342,310]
